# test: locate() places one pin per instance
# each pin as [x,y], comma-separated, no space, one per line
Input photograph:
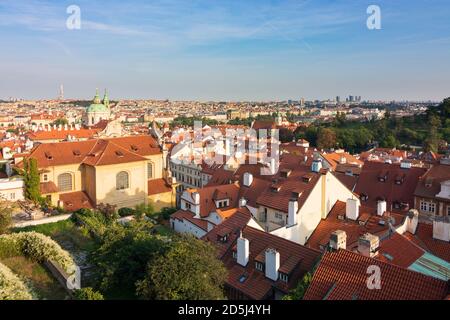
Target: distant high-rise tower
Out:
[338,99]
[61,92]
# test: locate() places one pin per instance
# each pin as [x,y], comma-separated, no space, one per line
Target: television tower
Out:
[61,92]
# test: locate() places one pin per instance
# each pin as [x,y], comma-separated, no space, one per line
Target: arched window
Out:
[65,182]
[149,170]
[122,180]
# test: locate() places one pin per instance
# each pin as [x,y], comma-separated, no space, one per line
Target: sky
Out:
[226,50]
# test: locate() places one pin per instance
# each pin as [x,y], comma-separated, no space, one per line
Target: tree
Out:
[61,121]
[31,180]
[432,141]
[5,217]
[188,271]
[286,135]
[326,138]
[300,290]
[123,255]
[87,294]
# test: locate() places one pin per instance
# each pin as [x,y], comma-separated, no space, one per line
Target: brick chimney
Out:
[338,240]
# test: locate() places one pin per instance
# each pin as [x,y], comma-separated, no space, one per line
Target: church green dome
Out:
[97,105]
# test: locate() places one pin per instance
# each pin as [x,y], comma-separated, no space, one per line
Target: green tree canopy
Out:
[87,294]
[31,180]
[189,270]
[123,256]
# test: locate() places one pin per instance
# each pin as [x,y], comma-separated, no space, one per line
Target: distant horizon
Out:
[218,100]
[254,50]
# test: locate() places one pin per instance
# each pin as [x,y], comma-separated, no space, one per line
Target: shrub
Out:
[87,294]
[38,247]
[5,218]
[11,287]
[124,212]
[167,212]
[95,222]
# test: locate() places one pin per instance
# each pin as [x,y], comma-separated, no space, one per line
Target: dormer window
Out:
[382,177]
[76,153]
[285,173]
[364,197]
[48,155]
[259,266]
[284,277]
[119,153]
[223,238]
[396,205]
[134,148]
[399,179]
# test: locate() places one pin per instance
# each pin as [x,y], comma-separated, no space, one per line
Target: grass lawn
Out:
[41,282]
[74,239]
[66,233]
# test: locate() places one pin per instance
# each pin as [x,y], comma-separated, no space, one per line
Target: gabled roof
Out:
[424,238]
[95,152]
[430,183]
[369,184]
[74,201]
[279,200]
[343,275]
[207,200]
[295,259]
[353,229]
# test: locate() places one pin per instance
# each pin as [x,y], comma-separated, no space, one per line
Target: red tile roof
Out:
[369,184]
[74,201]
[343,275]
[157,186]
[295,259]
[424,238]
[48,187]
[63,134]
[354,230]
[95,152]
[189,216]
[207,203]
[433,177]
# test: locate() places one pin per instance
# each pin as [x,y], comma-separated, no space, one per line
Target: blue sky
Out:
[226,49]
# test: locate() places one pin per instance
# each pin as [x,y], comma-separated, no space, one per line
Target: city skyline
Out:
[226,51]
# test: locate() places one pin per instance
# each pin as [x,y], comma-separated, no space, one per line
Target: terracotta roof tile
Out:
[294,258]
[342,275]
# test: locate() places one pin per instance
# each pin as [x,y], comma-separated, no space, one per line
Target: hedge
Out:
[35,246]
[11,287]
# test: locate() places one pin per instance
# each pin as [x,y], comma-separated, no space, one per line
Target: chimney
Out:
[368,245]
[196,197]
[292,212]
[242,202]
[243,250]
[381,207]
[248,179]
[316,165]
[272,264]
[412,221]
[441,229]
[352,209]
[338,240]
